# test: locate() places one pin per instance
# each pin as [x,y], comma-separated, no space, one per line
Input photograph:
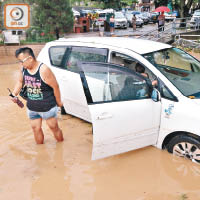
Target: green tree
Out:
[183,6]
[53,16]
[130,3]
[160,3]
[115,4]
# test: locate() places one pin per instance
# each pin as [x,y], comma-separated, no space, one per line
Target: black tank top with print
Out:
[40,95]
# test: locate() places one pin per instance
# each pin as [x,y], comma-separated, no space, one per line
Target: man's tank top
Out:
[40,95]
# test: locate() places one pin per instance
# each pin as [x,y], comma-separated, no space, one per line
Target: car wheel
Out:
[63,112]
[185,146]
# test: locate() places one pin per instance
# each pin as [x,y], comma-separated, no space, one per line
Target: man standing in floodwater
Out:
[43,94]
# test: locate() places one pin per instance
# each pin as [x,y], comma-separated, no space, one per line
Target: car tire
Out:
[62,111]
[185,146]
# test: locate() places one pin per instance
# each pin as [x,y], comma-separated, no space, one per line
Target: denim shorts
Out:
[44,115]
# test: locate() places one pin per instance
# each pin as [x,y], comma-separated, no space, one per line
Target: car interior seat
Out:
[128,92]
[117,60]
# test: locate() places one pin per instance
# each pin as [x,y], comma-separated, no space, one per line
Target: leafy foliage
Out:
[183,6]
[53,17]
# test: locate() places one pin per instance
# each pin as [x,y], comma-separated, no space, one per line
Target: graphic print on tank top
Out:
[34,91]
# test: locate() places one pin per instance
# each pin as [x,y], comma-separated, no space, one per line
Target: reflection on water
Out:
[61,171]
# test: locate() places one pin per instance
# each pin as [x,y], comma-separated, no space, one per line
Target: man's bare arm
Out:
[18,84]
[49,78]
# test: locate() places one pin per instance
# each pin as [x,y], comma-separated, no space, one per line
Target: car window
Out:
[180,68]
[129,62]
[123,60]
[108,83]
[67,57]
[85,54]
[119,15]
[56,54]
[197,13]
[102,15]
[165,92]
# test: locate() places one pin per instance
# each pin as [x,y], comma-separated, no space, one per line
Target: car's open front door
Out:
[124,117]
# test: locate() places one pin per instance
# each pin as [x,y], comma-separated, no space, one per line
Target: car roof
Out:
[139,46]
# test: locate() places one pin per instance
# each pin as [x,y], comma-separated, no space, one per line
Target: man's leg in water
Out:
[36,125]
[53,125]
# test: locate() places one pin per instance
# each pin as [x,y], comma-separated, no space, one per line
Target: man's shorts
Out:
[44,115]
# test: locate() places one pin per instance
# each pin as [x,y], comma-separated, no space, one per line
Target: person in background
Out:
[141,69]
[42,91]
[112,24]
[161,21]
[134,22]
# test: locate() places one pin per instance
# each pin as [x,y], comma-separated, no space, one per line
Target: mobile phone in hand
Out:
[19,103]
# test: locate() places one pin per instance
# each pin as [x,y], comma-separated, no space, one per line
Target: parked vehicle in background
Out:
[129,16]
[97,10]
[135,12]
[195,18]
[101,17]
[142,15]
[75,13]
[120,20]
[84,13]
[145,17]
[153,17]
[169,16]
[176,13]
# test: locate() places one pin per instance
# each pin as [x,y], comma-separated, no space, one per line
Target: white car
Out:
[195,20]
[169,17]
[139,21]
[99,84]
[101,18]
[120,20]
[102,15]
[75,13]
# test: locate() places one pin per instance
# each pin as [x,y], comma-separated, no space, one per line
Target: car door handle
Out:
[104,116]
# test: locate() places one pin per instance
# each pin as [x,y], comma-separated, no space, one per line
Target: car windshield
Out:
[180,68]
[129,16]
[103,15]
[197,14]
[119,15]
[141,16]
[145,14]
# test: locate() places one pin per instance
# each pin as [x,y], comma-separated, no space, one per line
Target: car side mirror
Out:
[155,95]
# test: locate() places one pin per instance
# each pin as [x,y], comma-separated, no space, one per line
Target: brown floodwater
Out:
[60,171]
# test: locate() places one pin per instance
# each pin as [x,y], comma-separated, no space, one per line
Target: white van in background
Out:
[102,15]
